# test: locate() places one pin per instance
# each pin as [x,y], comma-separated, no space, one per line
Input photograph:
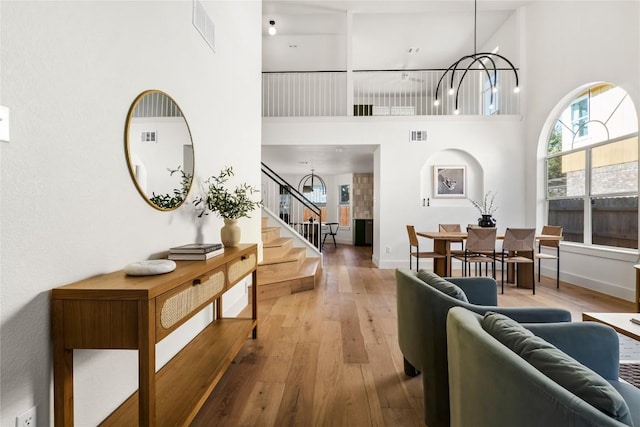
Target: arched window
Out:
[592,169]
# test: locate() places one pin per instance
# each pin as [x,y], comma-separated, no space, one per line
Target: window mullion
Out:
[587,199]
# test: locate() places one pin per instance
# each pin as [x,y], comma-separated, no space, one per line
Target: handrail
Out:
[292,212]
[365,70]
[303,72]
[292,190]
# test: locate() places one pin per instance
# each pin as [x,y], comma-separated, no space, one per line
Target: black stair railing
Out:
[293,208]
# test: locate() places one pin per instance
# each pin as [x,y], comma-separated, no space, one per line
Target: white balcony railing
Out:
[383,93]
[304,94]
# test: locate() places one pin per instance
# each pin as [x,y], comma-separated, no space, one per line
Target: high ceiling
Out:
[315,36]
[324,159]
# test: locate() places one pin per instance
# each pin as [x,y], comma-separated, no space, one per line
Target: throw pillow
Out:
[442,285]
[558,366]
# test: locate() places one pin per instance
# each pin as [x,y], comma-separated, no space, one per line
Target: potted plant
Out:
[228,204]
[169,201]
[486,208]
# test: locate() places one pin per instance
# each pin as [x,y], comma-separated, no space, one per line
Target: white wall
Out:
[493,143]
[507,40]
[70,71]
[561,56]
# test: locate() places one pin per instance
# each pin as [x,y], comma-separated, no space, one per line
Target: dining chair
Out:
[328,230]
[517,244]
[553,230]
[453,228]
[413,243]
[480,249]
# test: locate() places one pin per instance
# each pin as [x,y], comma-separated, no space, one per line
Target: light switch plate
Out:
[4,124]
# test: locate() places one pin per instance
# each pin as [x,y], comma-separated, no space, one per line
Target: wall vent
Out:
[204,24]
[148,136]
[418,136]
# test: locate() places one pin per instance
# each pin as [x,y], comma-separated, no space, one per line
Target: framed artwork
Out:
[449,181]
[344,194]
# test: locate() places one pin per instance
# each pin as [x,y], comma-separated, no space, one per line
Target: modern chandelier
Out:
[306,184]
[486,61]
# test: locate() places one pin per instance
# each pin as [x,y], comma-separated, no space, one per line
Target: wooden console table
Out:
[116,311]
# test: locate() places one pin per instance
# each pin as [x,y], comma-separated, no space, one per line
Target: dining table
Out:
[442,245]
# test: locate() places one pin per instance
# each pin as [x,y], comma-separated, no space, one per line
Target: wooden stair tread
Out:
[267,229]
[293,255]
[308,269]
[285,268]
[276,242]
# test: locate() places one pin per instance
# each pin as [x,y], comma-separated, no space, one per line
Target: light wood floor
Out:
[330,356]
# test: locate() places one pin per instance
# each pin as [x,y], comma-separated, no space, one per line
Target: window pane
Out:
[318,195]
[344,213]
[555,139]
[490,107]
[569,214]
[579,117]
[615,221]
[308,214]
[614,167]
[607,111]
[565,175]
[612,105]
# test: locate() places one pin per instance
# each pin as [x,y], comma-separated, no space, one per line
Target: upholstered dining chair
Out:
[518,243]
[553,230]
[480,249]
[414,249]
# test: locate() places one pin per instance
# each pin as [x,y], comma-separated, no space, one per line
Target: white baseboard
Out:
[596,285]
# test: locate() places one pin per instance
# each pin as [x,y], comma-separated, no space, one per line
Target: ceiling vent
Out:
[418,136]
[204,24]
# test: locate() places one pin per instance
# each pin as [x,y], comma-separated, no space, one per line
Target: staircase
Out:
[285,269]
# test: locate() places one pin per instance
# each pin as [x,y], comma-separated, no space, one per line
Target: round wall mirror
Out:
[159,150]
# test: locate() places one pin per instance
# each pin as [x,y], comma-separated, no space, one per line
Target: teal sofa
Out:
[505,374]
[423,302]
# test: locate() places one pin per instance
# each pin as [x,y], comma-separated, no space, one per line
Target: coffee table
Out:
[621,322]
[629,369]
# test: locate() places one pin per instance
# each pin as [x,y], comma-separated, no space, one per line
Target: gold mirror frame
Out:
[158,119]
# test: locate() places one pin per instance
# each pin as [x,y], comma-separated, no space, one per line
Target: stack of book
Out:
[196,251]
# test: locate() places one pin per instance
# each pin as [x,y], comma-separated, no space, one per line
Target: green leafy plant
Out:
[487,206]
[228,204]
[168,201]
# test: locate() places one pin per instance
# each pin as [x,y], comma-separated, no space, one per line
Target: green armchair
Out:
[423,302]
[502,373]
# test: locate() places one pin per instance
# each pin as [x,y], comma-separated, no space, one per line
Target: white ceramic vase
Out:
[230,233]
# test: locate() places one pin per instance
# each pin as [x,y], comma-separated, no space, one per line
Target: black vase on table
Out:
[487,221]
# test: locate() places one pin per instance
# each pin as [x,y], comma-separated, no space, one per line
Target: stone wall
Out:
[363,195]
